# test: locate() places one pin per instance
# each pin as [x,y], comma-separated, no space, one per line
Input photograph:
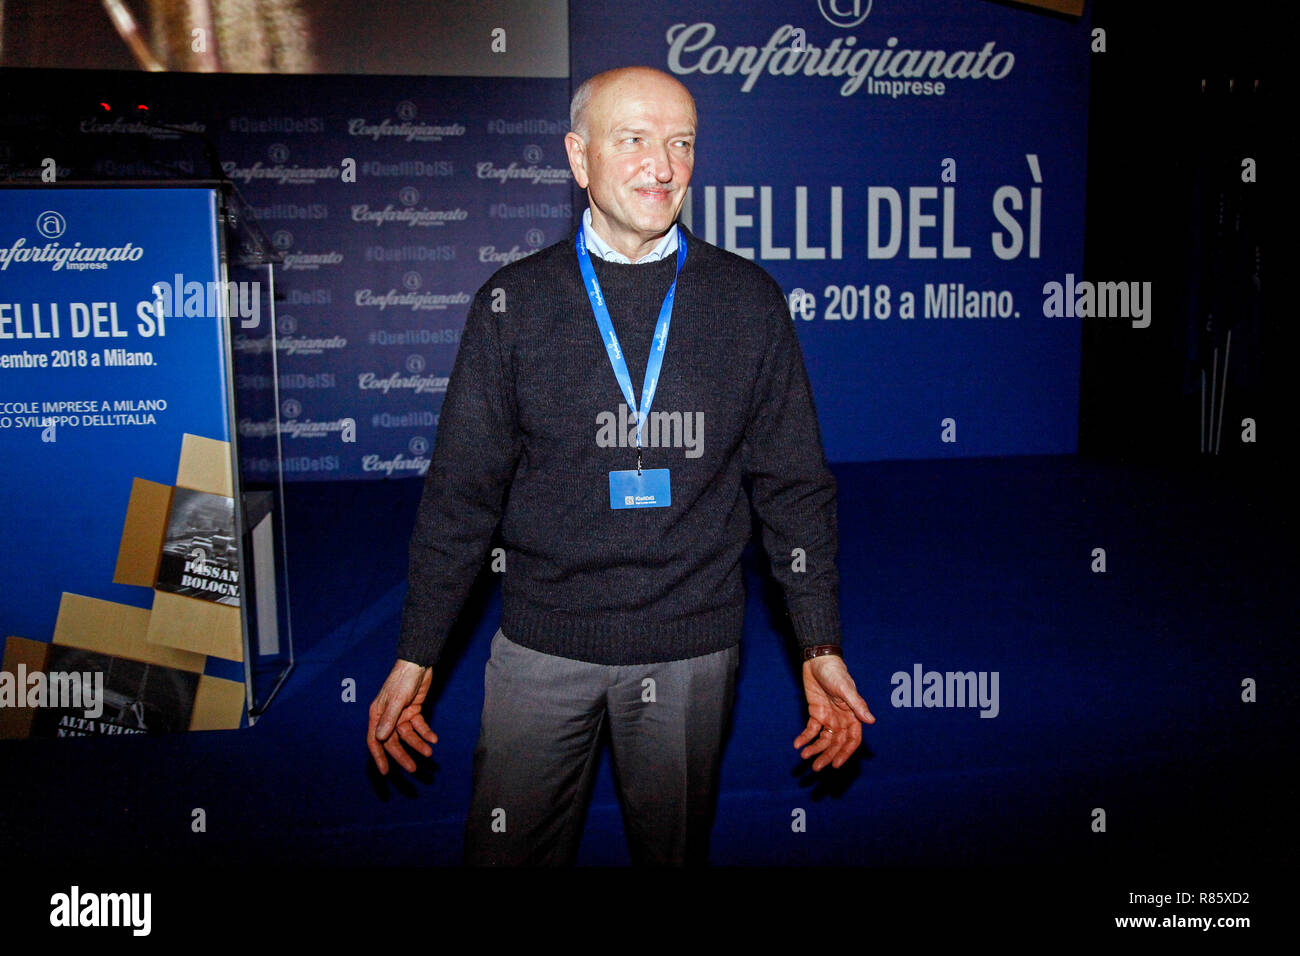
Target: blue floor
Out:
[1119,691]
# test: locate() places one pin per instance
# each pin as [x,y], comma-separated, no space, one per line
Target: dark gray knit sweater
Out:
[517,442]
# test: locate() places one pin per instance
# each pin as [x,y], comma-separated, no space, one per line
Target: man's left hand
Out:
[836,712]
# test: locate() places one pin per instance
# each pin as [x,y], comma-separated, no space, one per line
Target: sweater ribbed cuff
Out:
[420,641]
[814,626]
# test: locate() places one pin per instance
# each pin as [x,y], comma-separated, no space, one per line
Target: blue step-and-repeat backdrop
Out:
[912,173]
[454,178]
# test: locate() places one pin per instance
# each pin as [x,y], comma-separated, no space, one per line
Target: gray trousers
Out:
[539,745]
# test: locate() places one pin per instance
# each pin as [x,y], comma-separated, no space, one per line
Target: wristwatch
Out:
[821,650]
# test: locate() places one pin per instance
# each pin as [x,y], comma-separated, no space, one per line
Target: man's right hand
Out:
[398,706]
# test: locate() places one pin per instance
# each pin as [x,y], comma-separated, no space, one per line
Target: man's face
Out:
[638,161]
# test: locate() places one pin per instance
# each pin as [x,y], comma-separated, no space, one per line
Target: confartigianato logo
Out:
[406,128]
[51,224]
[119,124]
[888,69]
[530,171]
[280,171]
[407,216]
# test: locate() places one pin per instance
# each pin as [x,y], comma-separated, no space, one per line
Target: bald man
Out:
[623,600]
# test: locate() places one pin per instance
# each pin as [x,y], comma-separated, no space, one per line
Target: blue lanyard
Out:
[610,338]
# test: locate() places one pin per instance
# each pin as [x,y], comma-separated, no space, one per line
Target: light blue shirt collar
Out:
[599,247]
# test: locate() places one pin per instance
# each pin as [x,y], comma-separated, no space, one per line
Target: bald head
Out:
[613,83]
[632,149]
